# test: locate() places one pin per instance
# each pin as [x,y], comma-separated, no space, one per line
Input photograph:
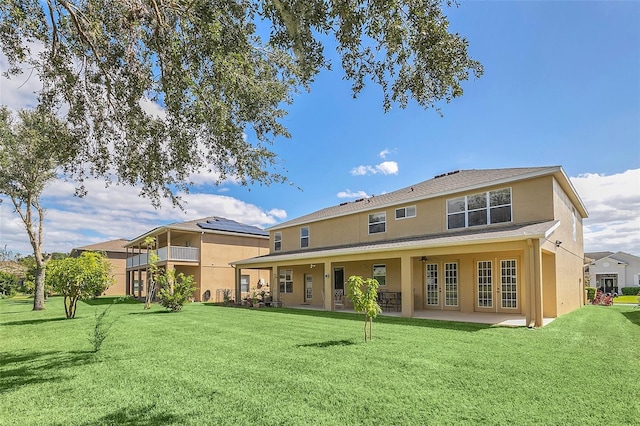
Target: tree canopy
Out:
[217,68]
[77,278]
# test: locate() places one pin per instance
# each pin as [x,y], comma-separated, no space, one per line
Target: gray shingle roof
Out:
[113,245]
[448,183]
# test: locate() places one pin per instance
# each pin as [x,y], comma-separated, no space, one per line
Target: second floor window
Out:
[377,223]
[277,241]
[406,212]
[483,208]
[304,237]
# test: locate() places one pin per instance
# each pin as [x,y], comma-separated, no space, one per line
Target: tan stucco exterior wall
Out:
[118,269]
[217,251]
[570,253]
[532,201]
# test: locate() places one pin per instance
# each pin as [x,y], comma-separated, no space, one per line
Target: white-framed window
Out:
[286,281]
[377,223]
[304,237]
[277,241]
[244,283]
[380,274]
[574,224]
[405,212]
[483,208]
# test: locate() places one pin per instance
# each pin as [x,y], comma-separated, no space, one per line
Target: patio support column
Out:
[275,284]
[238,292]
[327,290]
[168,245]
[406,286]
[127,289]
[534,314]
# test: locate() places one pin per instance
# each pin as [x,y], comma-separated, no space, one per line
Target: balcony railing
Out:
[177,254]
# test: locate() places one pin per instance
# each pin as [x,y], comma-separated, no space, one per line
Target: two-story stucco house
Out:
[202,248]
[474,241]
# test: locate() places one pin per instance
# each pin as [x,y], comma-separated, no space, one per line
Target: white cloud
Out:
[117,212]
[278,213]
[349,194]
[19,91]
[613,203]
[383,154]
[385,168]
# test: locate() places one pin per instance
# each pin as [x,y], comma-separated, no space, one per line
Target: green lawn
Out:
[218,366]
[626,299]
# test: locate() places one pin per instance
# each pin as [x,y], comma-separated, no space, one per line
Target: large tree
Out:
[28,161]
[216,68]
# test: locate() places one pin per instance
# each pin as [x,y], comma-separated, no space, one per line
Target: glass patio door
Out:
[432,285]
[508,285]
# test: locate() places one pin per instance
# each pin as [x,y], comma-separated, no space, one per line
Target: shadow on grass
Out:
[413,322]
[34,321]
[20,301]
[633,316]
[108,300]
[141,416]
[328,344]
[37,367]
[150,312]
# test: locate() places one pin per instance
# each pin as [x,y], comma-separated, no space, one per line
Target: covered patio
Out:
[497,319]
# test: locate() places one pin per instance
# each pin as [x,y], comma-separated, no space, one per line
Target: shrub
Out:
[8,284]
[175,291]
[591,293]
[630,291]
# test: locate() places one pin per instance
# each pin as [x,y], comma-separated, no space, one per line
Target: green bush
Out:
[175,291]
[8,284]
[630,291]
[591,293]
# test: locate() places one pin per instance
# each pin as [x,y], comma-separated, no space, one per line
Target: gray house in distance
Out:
[612,271]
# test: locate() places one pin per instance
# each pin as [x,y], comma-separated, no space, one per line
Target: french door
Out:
[497,292]
[441,289]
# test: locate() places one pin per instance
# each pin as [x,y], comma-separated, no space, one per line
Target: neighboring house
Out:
[202,248]
[501,240]
[117,255]
[612,271]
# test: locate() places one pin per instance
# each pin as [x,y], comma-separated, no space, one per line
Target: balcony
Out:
[177,254]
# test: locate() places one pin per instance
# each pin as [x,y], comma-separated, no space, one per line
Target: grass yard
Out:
[223,366]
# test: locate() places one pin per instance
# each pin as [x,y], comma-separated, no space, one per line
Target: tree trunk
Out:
[38,296]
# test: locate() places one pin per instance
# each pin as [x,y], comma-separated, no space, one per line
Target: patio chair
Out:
[338,298]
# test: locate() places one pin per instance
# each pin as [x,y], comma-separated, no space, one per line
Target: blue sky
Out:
[561,87]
